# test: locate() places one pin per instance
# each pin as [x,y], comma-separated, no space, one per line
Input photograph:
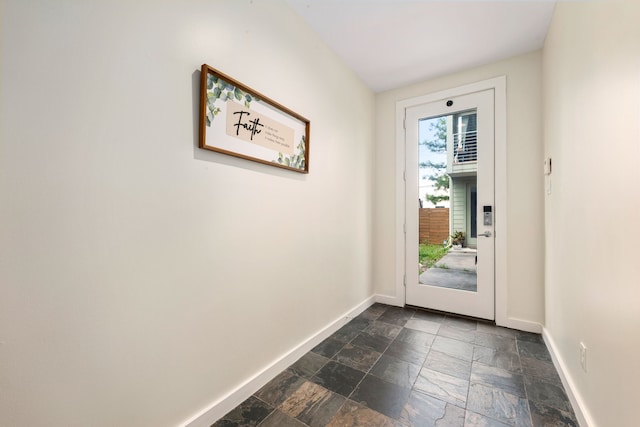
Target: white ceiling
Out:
[392,43]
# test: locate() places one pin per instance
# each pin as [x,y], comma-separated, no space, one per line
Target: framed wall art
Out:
[241,122]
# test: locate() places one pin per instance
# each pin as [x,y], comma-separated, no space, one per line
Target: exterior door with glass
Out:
[449,198]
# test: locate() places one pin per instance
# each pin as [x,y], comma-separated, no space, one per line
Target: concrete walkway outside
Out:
[456,270]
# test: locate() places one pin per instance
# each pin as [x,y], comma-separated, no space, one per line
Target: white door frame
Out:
[499,85]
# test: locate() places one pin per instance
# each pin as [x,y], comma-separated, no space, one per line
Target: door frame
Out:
[499,85]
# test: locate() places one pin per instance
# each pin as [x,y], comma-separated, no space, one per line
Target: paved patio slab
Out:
[458,260]
[456,270]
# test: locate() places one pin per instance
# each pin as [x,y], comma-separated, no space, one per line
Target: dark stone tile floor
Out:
[403,367]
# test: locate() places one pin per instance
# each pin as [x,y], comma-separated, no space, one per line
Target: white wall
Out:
[143,278]
[592,133]
[525,222]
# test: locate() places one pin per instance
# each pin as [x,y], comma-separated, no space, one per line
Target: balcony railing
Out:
[465,147]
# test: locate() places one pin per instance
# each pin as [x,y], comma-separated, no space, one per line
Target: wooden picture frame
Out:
[241,122]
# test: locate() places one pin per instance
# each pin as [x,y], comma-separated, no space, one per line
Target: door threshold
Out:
[446,313]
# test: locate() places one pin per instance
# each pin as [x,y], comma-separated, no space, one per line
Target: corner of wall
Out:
[576,399]
[222,406]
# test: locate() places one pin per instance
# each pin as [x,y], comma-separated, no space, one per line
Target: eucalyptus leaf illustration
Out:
[296,160]
[219,90]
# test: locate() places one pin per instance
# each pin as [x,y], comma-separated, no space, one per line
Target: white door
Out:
[462,281]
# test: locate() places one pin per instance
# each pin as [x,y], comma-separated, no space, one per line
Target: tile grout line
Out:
[524,383]
[410,389]
[381,353]
[493,341]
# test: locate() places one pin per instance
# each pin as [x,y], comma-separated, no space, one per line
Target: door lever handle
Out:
[485,234]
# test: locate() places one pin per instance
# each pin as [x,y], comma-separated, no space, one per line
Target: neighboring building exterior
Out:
[462,168]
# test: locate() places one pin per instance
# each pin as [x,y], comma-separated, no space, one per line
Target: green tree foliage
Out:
[439,177]
[439,128]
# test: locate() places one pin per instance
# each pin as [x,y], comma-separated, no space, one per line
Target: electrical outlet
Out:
[583,356]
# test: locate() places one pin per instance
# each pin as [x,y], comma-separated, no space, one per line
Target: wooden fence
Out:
[433,225]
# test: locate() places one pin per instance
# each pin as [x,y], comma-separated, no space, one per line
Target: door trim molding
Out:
[499,85]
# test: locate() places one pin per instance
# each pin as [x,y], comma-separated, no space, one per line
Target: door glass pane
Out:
[447,157]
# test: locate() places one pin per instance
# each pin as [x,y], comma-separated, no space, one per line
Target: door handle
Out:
[485,234]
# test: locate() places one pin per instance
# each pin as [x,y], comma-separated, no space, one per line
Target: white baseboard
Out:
[578,404]
[222,406]
[389,300]
[521,325]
